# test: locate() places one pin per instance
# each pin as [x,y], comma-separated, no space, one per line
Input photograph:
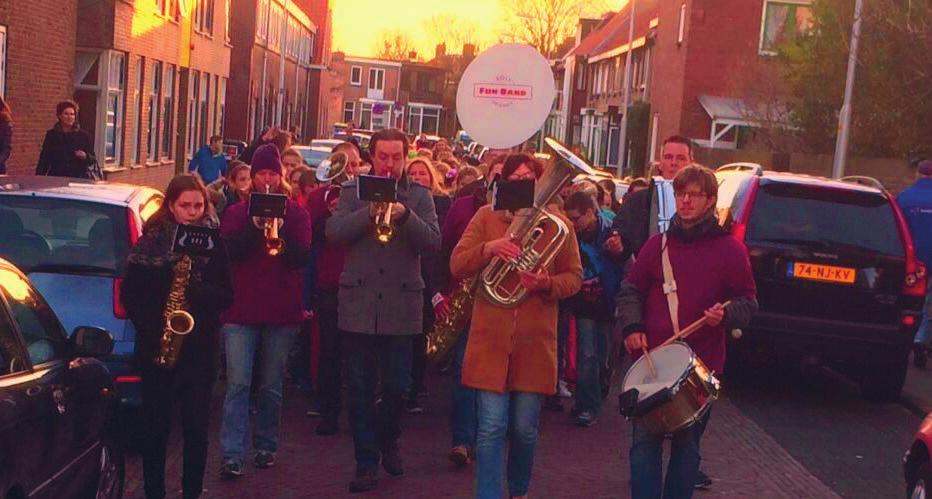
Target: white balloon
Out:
[505,95]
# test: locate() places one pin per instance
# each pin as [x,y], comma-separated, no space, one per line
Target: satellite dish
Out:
[505,95]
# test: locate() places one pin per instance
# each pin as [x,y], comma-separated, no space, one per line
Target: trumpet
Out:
[383,222]
[274,245]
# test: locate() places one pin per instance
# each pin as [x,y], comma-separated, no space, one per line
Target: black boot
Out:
[391,460]
[364,481]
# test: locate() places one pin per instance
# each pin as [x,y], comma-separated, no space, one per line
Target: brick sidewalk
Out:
[571,462]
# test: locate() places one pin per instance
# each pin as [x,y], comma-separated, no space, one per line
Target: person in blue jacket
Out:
[209,162]
[916,204]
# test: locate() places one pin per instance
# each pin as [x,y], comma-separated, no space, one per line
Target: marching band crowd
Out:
[373,302]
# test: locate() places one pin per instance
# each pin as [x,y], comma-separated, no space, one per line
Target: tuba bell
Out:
[333,169]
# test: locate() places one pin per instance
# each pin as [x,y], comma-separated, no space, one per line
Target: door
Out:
[45,385]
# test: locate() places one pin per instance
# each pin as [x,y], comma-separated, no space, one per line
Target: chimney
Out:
[469,51]
[412,56]
[440,51]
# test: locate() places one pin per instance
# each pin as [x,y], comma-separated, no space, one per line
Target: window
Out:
[3,61]
[221,104]
[682,29]
[365,116]
[204,17]
[174,10]
[423,119]
[79,234]
[782,21]
[262,20]
[349,112]
[580,77]
[153,109]
[116,84]
[168,101]
[193,89]
[44,337]
[226,20]
[204,107]
[376,79]
[356,75]
[160,6]
[275,26]
[137,96]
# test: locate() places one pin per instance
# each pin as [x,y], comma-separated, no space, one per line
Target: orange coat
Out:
[513,349]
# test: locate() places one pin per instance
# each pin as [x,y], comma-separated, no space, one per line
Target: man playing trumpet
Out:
[710,268]
[380,303]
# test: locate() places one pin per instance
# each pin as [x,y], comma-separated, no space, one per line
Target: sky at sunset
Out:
[357,23]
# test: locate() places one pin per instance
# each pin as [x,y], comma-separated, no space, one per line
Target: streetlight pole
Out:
[623,130]
[844,117]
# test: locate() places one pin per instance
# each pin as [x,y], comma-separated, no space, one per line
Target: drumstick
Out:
[650,362]
[690,329]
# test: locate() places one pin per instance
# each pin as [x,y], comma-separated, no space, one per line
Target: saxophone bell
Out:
[180,322]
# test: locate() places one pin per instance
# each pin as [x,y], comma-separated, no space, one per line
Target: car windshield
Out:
[313,157]
[824,218]
[61,235]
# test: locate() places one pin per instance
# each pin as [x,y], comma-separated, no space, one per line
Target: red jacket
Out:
[710,267]
[330,257]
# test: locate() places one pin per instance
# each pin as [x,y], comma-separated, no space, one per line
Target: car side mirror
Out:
[89,341]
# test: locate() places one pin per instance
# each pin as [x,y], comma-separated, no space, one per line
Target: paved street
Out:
[777,435]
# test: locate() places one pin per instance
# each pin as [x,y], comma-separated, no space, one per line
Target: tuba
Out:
[539,233]
[178,321]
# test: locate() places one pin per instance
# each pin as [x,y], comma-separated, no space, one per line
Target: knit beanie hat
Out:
[266,157]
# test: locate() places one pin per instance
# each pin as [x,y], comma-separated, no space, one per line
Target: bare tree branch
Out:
[394,45]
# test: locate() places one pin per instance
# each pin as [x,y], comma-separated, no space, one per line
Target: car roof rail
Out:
[753,168]
[863,180]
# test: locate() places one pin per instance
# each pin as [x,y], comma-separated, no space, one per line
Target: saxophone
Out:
[442,337]
[178,322]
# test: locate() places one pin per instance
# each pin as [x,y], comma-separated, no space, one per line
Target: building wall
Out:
[239,91]
[668,67]
[39,71]
[722,43]
[353,93]
[149,40]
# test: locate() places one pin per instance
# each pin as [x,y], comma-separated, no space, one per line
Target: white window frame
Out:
[356,81]
[169,90]
[226,21]
[154,105]
[262,22]
[763,21]
[275,27]
[681,31]
[379,78]
[351,105]
[115,90]
[138,107]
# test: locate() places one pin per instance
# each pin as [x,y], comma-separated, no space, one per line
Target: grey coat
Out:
[381,286]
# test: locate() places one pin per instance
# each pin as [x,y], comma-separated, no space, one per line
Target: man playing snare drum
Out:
[710,268]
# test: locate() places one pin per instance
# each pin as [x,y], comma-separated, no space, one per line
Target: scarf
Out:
[708,226]
[154,248]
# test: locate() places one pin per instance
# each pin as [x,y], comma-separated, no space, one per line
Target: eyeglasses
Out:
[690,195]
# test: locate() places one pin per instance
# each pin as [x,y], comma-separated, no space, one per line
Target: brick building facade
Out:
[686,58]
[40,38]
[150,78]
[271,84]
[371,92]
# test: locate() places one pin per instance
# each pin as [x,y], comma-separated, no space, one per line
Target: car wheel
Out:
[921,488]
[110,472]
[884,382]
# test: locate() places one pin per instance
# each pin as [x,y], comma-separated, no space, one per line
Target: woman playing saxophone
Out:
[159,285]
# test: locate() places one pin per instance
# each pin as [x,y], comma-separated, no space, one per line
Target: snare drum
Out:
[678,397]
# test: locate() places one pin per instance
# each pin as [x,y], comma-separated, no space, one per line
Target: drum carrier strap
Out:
[669,285]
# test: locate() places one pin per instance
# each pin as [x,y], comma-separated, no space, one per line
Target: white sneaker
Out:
[563,390]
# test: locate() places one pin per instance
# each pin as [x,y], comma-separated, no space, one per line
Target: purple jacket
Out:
[267,290]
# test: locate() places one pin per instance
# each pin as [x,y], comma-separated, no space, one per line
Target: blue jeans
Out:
[240,342]
[591,345]
[498,413]
[376,426]
[647,462]
[463,417]
[922,334]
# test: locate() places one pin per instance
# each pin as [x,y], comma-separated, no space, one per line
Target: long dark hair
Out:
[5,113]
[178,186]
